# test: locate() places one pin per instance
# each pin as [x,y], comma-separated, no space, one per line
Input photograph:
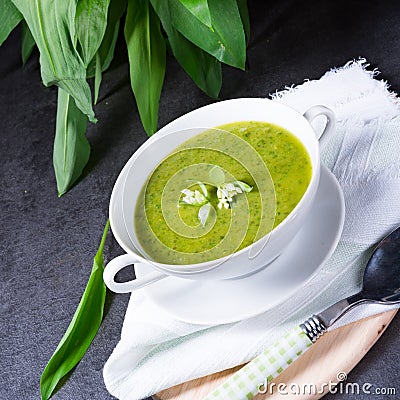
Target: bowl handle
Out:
[121,262]
[316,111]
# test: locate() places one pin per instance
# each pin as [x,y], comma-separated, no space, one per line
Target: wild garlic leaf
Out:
[244,15]
[82,328]
[243,186]
[28,42]
[10,18]
[203,68]
[203,188]
[225,41]
[71,149]
[107,46]
[217,175]
[52,24]
[228,24]
[90,26]
[204,213]
[199,8]
[147,53]
[97,78]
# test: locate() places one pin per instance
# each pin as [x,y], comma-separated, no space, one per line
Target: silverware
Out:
[381,285]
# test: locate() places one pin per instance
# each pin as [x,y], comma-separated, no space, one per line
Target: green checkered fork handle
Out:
[253,378]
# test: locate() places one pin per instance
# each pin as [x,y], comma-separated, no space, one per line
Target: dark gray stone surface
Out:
[47,244]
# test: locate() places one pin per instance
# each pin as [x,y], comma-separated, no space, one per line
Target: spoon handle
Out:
[257,374]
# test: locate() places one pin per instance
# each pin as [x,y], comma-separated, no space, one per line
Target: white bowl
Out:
[153,151]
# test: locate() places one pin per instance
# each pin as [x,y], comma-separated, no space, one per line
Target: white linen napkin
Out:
[156,351]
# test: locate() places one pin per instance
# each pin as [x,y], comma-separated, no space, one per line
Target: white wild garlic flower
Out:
[227,191]
[193,198]
[198,199]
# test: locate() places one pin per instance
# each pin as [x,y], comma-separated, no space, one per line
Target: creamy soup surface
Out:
[267,157]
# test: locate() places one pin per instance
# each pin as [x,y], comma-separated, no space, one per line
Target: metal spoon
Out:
[381,285]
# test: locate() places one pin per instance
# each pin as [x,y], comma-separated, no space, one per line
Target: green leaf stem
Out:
[82,328]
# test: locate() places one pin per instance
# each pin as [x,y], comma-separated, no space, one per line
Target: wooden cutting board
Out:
[335,352]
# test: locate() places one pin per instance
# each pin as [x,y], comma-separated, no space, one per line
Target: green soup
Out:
[265,156]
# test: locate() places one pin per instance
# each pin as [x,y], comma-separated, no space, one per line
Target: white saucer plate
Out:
[218,302]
